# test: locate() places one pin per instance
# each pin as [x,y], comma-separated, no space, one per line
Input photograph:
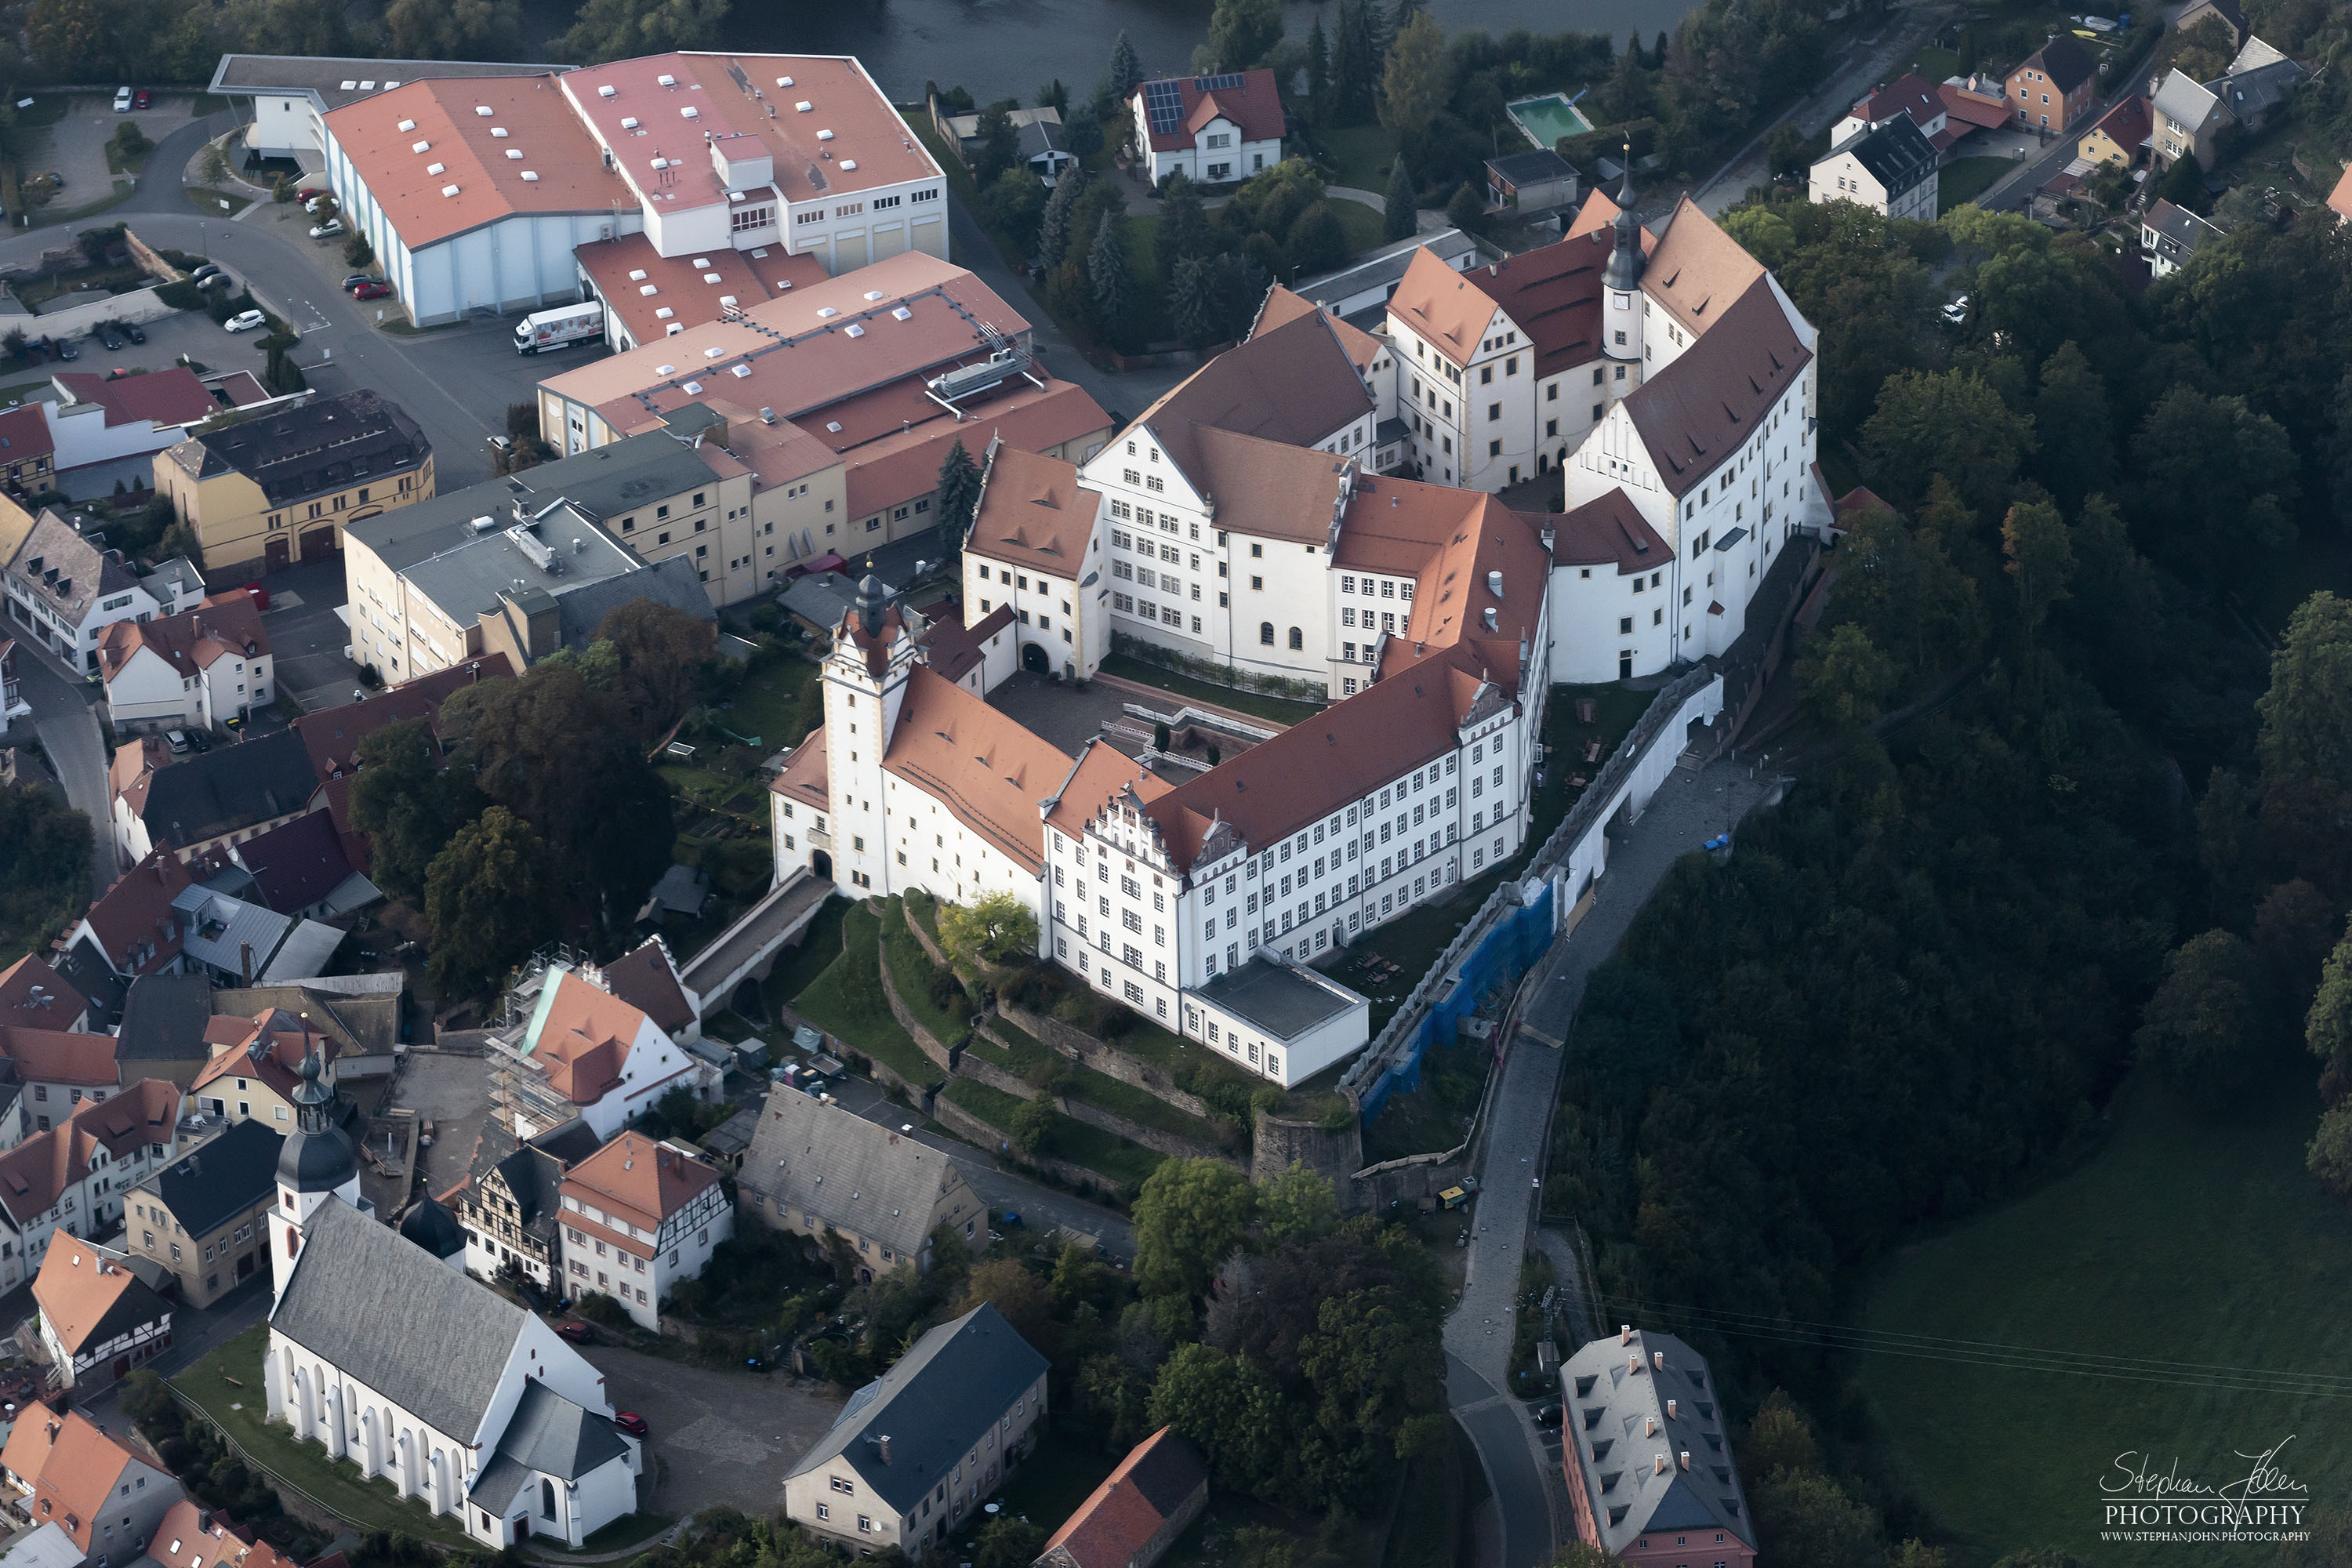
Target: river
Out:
[1000,48]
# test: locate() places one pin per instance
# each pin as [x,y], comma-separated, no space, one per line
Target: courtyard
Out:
[716,1437]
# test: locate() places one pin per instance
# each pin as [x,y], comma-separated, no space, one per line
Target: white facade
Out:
[1059,623]
[148,693]
[77,644]
[1219,153]
[1841,177]
[82,436]
[636,1266]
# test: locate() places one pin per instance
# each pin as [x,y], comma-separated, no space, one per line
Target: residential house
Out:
[283,486]
[2054,86]
[843,180]
[197,670]
[585,1053]
[2188,117]
[66,588]
[161,1032]
[816,1170]
[1357,293]
[912,1454]
[521,568]
[212,800]
[638,1216]
[1218,130]
[1890,169]
[1034,548]
[204,1216]
[842,398]
[98,1318]
[191,1537]
[28,450]
[35,997]
[1908,96]
[65,1469]
[509,1199]
[58,1071]
[2259,81]
[332,736]
[646,978]
[1039,143]
[2119,136]
[1648,1463]
[104,416]
[1970,105]
[74,1177]
[2226,12]
[257,1055]
[476,1407]
[131,929]
[239,943]
[13,707]
[1530,182]
[301,869]
[2170,235]
[1135,1516]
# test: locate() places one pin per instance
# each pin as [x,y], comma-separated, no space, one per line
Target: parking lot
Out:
[75,147]
[716,1438]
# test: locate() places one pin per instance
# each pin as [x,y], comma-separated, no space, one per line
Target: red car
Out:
[139,99]
[629,1421]
[576,1332]
[309,192]
[371,290]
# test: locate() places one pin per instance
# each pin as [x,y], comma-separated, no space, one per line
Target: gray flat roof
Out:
[334,80]
[1384,266]
[1284,1001]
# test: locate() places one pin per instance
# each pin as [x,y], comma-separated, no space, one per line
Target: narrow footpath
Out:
[1527,1516]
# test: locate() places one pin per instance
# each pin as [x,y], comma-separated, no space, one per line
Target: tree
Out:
[1762,232]
[2329,1155]
[2183,184]
[2305,746]
[1024,1298]
[1779,1439]
[1110,279]
[1843,681]
[666,656]
[1415,83]
[1943,422]
[405,806]
[1006,1541]
[1318,70]
[2076,436]
[2041,560]
[486,897]
[455,29]
[1184,232]
[1317,242]
[1126,66]
[1242,33]
[2327,1027]
[2198,1030]
[1189,1215]
[1014,204]
[1468,209]
[1230,1410]
[994,928]
[1402,219]
[1000,143]
[1192,312]
[2296,927]
[358,252]
[1054,225]
[45,848]
[959,492]
[1784,149]
[1810,1520]
[213,165]
[1031,1121]
[618,29]
[2218,484]
[1297,1204]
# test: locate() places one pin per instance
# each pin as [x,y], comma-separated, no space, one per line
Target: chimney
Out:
[885,1447]
[1658,1359]
[1624,1333]
[245,960]
[1634,1365]
[204,1520]
[1488,614]
[1658,1466]
[1686,1458]
[1494,584]
[1649,1426]
[1670,1410]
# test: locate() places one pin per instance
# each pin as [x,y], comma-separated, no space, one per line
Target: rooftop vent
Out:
[499,131]
[725,301]
[661,163]
[675,327]
[710,277]
[628,122]
[514,154]
[825,135]
[483,110]
[849,163]
[420,146]
[435,168]
[636,274]
[825,310]
[406,125]
[531,176]
[767,416]
[856,330]
[604,92]
[803,106]
[666,80]
[738,372]
[448,190]
[874,293]
[694,387]
[784,81]
[665,370]
[648,288]
[902,314]
[690,112]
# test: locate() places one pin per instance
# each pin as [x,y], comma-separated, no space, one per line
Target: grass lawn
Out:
[1129,668]
[220,204]
[778,701]
[1963,180]
[1108,1155]
[1362,223]
[1053,1481]
[1935,65]
[910,971]
[846,1000]
[2191,1238]
[1147,1041]
[820,945]
[240,1410]
[1363,155]
[627,1531]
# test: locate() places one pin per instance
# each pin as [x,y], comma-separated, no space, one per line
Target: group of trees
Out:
[1933,962]
[45,864]
[533,810]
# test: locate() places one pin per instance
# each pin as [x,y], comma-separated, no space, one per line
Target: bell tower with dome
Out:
[317,1164]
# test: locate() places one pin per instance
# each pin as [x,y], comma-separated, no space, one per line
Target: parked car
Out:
[200,740]
[322,230]
[501,443]
[309,192]
[217,280]
[209,270]
[243,322]
[1957,312]
[355,279]
[63,349]
[142,98]
[576,1332]
[261,599]
[134,331]
[122,100]
[178,740]
[629,1421]
[1549,1415]
[107,336]
[372,291]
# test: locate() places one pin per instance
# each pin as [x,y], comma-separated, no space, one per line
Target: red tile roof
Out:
[135,914]
[2126,124]
[1034,512]
[641,1181]
[1607,528]
[647,980]
[584,1038]
[71,1466]
[57,1004]
[268,1046]
[1907,94]
[1254,105]
[690,289]
[79,1286]
[804,775]
[1973,108]
[1150,1488]
[982,764]
[333,735]
[55,1056]
[1715,396]
[25,434]
[223,625]
[167,398]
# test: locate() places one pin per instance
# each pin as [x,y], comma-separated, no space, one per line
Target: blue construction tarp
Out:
[1504,954]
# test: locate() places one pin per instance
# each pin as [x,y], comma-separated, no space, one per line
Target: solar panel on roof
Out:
[1163,105]
[1217,83]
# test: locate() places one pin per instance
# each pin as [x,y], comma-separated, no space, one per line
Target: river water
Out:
[1004,48]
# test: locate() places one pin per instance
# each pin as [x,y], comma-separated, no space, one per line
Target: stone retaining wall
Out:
[980,1069]
[930,1045]
[1278,1141]
[924,939]
[964,1124]
[1105,1058]
[1153,1138]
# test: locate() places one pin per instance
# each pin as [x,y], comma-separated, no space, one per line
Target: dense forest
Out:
[2114,841]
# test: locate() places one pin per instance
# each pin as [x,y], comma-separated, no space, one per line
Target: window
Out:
[1264,637]
[1298,639]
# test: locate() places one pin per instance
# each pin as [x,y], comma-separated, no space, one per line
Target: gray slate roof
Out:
[399,1320]
[547,1436]
[1896,154]
[227,788]
[847,1171]
[218,1178]
[306,450]
[2181,99]
[163,1019]
[1283,1000]
[85,572]
[1615,1392]
[934,1405]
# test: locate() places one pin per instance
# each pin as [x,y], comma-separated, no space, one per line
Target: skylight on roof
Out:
[648,288]
[366,86]
[665,370]
[628,122]
[833,426]
[483,110]
[874,293]
[448,190]
[694,387]
[848,164]
[351,87]
[741,370]
[710,277]
[902,314]
[701,261]
[515,154]
[436,168]
[605,91]
[726,301]
[420,146]
[803,106]
[636,274]
[407,126]
[499,131]
[531,175]
[690,112]
[712,353]
[825,310]
[856,330]
[825,135]
[784,81]
[663,314]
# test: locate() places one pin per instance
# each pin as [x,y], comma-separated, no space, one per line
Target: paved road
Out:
[1040,1208]
[1689,809]
[66,718]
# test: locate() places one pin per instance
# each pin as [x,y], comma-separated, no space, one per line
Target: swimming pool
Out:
[1548,118]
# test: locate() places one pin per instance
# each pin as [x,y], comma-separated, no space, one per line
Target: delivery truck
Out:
[560,328]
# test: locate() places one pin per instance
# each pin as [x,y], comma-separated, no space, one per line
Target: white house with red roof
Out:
[99,416]
[1908,97]
[1216,129]
[201,668]
[65,1470]
[586,1053]
[638,1216]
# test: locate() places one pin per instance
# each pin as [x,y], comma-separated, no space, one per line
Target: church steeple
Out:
[872,600]
[1626,259]
[318,1165]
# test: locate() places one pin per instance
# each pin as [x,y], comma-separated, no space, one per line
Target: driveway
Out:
[716,1436]
[65,716]
[453,1092]
[309,629]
